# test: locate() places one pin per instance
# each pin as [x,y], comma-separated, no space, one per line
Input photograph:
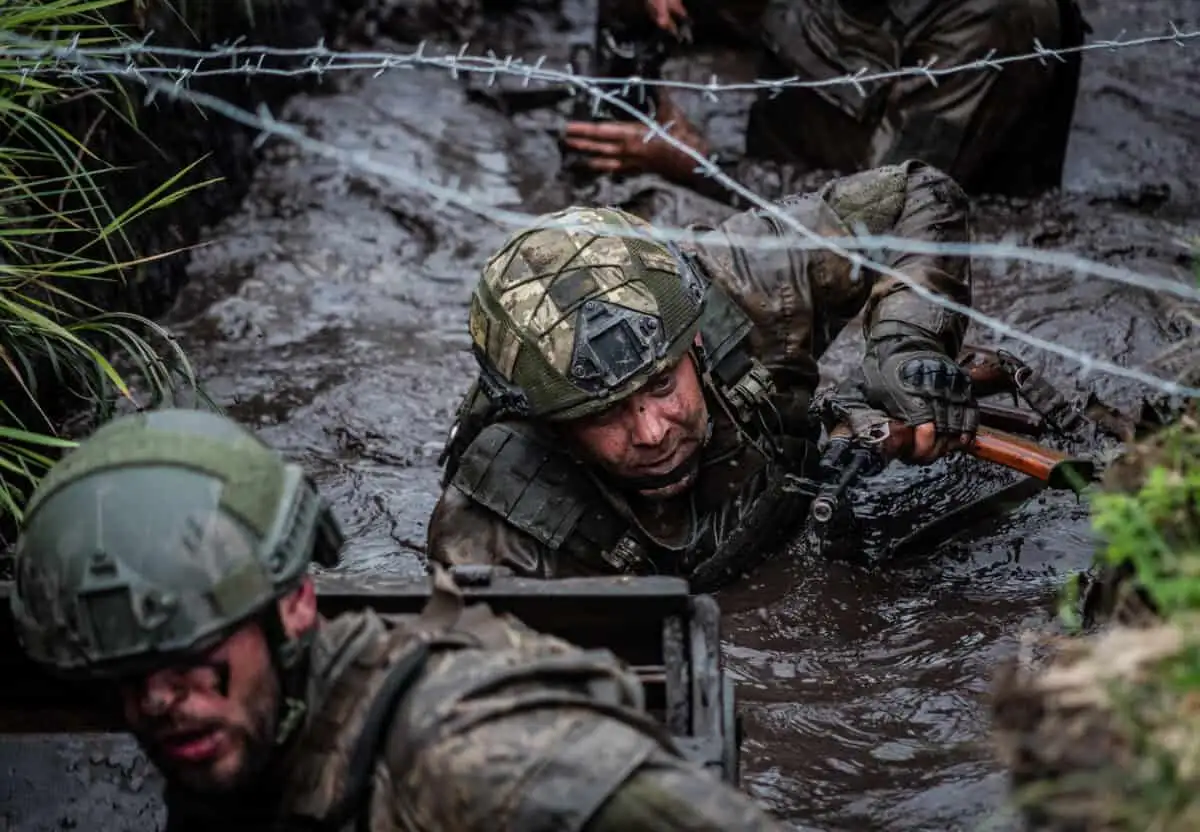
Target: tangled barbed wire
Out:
[73,59]
[319,60]
[91,61]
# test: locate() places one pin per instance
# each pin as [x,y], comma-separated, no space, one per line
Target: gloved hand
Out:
[914,381]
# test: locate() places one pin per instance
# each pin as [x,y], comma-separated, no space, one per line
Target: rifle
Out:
[627,45]
[848,458]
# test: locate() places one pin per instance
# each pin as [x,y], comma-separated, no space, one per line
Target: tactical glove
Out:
[911,378]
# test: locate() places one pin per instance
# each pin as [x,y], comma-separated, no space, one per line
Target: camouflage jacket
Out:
[515,500]
[460,719]
[999,132]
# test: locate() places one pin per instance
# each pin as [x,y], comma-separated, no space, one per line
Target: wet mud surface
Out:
[329,312]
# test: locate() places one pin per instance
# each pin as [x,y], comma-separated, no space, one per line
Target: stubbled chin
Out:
[219,776]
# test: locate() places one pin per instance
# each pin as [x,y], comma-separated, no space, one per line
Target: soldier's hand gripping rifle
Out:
[863,441]
[849,458]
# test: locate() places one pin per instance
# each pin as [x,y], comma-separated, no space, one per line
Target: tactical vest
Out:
[522,473]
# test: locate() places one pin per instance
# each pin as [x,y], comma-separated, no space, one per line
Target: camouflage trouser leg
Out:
[733,22]
[980,126]
[990,130]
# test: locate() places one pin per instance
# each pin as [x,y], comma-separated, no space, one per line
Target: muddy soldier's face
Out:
[650,434]
[209,725]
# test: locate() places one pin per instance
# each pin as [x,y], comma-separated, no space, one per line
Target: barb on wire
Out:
[362,160]
[318,60]
[493,66]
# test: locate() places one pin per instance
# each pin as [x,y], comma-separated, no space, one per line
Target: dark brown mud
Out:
[329,312]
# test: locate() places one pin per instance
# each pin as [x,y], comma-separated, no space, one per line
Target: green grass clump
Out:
[59,240]
[1154,526]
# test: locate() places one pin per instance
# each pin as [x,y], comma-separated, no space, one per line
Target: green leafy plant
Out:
[1106,735]
[1157,529]
[61,242]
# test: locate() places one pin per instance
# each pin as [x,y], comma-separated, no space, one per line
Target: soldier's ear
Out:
[298,609]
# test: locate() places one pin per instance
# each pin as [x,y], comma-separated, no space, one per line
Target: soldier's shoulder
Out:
[491,736]
[877,190]
[492,662]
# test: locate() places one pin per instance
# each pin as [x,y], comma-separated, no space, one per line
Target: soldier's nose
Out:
[649,427]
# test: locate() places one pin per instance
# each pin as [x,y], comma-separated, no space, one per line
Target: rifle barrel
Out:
[1055,468]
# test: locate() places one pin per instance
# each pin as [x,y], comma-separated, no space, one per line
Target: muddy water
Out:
[329,313]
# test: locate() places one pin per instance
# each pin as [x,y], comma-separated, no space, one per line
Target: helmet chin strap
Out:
[289,658]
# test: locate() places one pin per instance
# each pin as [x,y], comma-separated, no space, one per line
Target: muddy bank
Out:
[138,147]
[329,313]
[171,135]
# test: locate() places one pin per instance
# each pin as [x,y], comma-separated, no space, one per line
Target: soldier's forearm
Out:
[666,795]
[935,211]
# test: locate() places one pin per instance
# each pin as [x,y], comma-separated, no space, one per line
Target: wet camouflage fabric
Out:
[798,302]
[1003,132]
[529,305]
[506,729]
[665,795]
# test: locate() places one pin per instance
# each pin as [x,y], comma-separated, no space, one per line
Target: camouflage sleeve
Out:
[669,795]
[800,298]
[533,733]
[960,123]
[462,532]
[921,203]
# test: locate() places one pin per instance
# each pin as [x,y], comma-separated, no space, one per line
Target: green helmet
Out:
[580,311]
[161,533]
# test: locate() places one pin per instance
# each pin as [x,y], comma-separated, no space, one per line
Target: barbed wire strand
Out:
[269,126]
[321,60]
[496,66]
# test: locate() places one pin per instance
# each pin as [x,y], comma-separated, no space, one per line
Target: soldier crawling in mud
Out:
[168,556]
[1001,132]
[643,407]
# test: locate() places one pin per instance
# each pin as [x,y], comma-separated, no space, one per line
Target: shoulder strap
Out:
[475,412]
[367,748]
[440,616]
[741,380]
